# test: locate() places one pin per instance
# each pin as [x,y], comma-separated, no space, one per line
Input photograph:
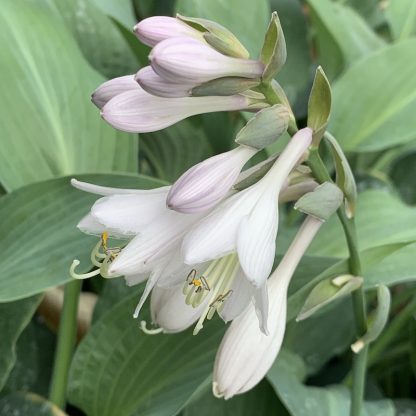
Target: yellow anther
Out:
[196,282]
[104,239]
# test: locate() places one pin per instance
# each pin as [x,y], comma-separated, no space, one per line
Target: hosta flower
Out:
[156,85]
[207,183]
[154,29]
[137,111]
[188,60]
[109,89]
[247,222]
[246,354]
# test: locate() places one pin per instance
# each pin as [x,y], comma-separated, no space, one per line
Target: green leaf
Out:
[342,35]
[170,152]
[118,369]
[14,318]
[35,350]
[247,19]
[51,127]
[401,16]
[373,109]
[28,404]
[402,173]
[262,400]
[286,375]
[40,238]
[319,105]
[120,10]
[98,37]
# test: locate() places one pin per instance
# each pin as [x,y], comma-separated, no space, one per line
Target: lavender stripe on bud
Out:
[156,85]
[109,89]
[208,182]
[188,60]
[154,29]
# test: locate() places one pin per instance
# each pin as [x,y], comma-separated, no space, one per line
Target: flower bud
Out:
[188,60]
[207,183]
[246,353]
[137,111]
[109,89]
[224,86]
[154,29]
[156,85]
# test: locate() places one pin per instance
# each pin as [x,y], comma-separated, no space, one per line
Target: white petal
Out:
[139,112]
[89,225]
[106,191]
[128,214]
[135,279]
[256,240]
[155,241]
[242,291]
[109,89]
[170,311]
[261,306]
[216,234]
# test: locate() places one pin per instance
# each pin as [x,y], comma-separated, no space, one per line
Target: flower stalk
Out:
[66,342]
[360,360]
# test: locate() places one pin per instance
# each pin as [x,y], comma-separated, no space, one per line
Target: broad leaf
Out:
[98,37]
[401,16]
[121,10]
[28,404]
[342,35]
[374,101]
[170,152]
[49,125]
[262,400]
[247,19]
[286,377]
[40,238]
[118,369]
[14,318]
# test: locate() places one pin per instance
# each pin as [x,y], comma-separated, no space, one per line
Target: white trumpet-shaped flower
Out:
[154,29]
[247,222]
[246,354]
[188,60]
[207,183]
[137,111]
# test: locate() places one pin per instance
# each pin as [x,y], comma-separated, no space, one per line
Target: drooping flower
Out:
[154,29]
[137,111]
[247,222]
[246,353]
[207,183]
[188,60]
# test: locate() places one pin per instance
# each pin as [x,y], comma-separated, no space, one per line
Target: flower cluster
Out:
[207,243]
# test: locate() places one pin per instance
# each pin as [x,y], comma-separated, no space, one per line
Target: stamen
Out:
[143,327]
[96,254]
[75,275]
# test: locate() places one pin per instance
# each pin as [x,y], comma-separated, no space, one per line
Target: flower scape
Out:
[206,244]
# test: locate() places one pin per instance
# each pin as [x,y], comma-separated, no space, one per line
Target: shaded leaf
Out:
[14,318]
[401,16]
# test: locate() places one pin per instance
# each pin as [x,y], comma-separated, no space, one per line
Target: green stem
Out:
[391,331]
[360,360]
[66,343]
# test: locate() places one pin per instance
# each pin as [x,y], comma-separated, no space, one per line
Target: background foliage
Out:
[54,54]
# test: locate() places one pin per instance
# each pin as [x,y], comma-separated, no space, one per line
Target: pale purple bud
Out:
[156,85]
[154,29]
[188,60]
[246,353]
[109,89]
[208,182]
[137,111]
